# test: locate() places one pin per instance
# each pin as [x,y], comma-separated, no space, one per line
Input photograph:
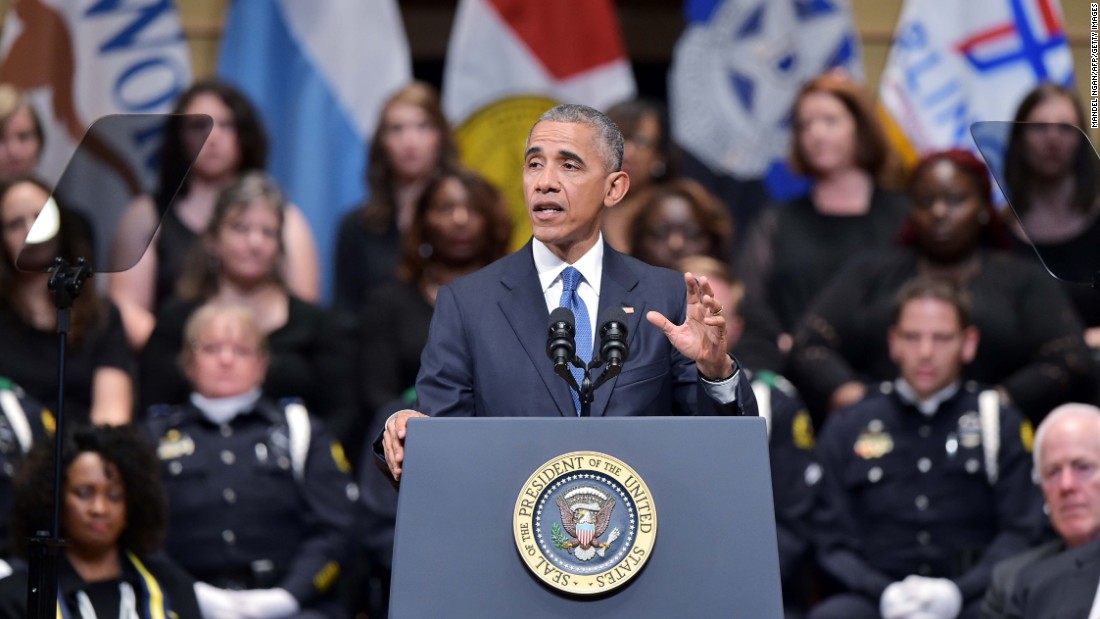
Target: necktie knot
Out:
[570,279]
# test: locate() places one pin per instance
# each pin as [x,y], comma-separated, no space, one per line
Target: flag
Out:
[953,63]
[510,60]
[736,71]
[319,74]
[80,60]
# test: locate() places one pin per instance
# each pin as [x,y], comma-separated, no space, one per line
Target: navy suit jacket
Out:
[1059,587]
[486,351]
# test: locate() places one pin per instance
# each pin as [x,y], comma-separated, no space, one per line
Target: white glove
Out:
[266,603]
[5,569]
[898,601]
[216,603]
[939,597]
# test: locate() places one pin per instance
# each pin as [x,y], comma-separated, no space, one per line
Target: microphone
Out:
[613,347]
[561,341]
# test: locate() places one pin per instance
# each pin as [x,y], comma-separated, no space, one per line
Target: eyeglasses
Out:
[216,349]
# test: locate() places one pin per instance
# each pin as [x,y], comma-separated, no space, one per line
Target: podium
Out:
[714,552]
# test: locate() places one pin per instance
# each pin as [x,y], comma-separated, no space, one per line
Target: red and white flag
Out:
[511,60]
[568,50]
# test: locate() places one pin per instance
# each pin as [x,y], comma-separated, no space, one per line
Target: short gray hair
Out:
[609,139]
[1072,409]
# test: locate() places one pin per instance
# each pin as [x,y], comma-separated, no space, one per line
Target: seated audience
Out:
[21,135]
[791,251]
[237,144]
[647,160]
[98,384]
[678,219]
[239,260]
[790,441]
[1051,175]
[926,482]
[1032,348]
[1067,462]
[113,520]
[412,143]
[260,501]
[460,225]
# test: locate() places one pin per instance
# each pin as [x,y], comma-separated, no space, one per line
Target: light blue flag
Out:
[319,74]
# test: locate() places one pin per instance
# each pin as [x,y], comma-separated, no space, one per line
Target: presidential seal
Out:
[585,523]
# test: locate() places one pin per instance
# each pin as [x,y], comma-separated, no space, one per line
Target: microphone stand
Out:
[45,547]
[586,389]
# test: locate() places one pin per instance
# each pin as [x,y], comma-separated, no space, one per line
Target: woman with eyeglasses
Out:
[678,219]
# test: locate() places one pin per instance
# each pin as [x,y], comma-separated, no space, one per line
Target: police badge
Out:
[585,523]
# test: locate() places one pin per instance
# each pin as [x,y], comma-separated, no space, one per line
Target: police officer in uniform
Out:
[261,501]
[927,481]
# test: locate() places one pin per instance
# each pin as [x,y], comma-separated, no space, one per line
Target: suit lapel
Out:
[524,306]
[619,288]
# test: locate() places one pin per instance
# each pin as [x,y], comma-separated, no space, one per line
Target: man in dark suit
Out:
[1060,587]
[486,351]
[1049,580]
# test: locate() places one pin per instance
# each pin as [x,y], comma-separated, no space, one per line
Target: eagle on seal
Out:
[585,514]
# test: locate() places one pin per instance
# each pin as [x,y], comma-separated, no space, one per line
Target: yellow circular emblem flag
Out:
[492,141]
[585,523]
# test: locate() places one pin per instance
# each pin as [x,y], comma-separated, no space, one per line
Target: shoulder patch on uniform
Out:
[48,421]
[802,430]
[339,457]
[324,579]
[1027,435]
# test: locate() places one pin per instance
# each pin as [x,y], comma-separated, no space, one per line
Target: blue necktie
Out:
[570,278]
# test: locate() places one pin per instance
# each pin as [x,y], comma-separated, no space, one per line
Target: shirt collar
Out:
[549,266]
[223,410]
[929,406]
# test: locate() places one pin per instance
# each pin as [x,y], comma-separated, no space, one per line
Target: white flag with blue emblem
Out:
[953,63]
[319,74]
[737,69]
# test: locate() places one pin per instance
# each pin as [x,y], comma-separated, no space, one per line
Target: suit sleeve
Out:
[445,384]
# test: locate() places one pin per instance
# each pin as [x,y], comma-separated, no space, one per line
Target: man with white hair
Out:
[1059,578]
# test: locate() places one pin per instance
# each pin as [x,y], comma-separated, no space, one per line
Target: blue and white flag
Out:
[953,63]
[737,69]
[319,73]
